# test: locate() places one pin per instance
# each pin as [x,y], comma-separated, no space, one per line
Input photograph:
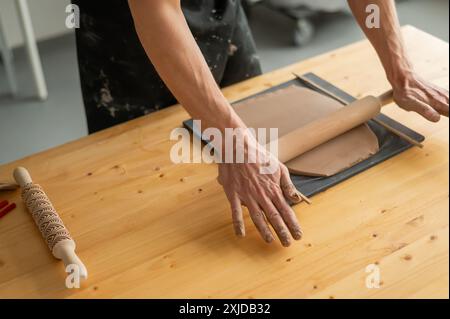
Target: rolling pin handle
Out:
[386,97]
[70,258]
[66,252]
[22,176]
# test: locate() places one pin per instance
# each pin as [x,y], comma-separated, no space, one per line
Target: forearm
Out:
[168,42]
[387,39]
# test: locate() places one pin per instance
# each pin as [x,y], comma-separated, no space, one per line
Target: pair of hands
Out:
[267,196]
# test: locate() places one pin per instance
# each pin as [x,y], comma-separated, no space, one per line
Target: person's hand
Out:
[265,195]
[423,97]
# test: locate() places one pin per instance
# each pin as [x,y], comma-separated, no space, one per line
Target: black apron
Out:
[119,82]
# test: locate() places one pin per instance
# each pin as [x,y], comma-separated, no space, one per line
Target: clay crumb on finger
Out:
[298,234]
[304,198]
[268,238]
[294,195]
[239,232]
[239,229]
[295,198]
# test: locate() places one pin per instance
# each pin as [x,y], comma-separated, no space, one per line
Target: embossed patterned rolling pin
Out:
[48,221]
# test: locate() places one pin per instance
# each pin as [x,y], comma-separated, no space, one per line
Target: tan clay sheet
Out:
[294,107]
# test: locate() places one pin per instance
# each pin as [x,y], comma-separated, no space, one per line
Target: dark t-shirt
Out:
[119,82]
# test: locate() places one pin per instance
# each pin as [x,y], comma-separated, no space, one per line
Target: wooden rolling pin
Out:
[313,134]
[48,221]
[317,132]
[385,99]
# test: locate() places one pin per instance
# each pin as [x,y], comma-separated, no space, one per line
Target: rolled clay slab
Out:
[317,136]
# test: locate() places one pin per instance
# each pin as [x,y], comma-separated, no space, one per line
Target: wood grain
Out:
[148,228]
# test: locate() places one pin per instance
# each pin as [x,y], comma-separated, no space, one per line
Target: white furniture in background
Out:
[31,48]
[29,39]
[7,60]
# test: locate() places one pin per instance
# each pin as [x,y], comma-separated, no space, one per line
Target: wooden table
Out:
[148,228]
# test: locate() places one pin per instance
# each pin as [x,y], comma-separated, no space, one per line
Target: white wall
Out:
[48,17]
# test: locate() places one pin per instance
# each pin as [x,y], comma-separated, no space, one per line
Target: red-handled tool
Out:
[7,209]
[3,203]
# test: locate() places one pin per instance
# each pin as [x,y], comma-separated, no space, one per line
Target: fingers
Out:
[288,216]
[275,219]
[424,98]
[440,103]
[424,109]
[443,93]
[236,213]
[266,204]
[257,215]
[288,188]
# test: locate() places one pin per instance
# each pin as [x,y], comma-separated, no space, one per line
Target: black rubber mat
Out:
[390,144]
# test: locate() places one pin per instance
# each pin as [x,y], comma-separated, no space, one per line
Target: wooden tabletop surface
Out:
[148,228]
